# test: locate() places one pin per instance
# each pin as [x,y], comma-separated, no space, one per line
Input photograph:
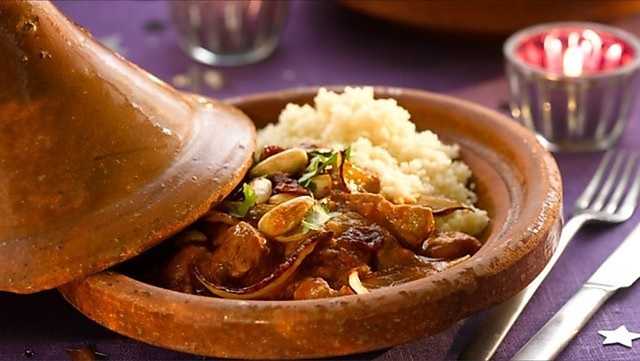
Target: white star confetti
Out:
[620,335]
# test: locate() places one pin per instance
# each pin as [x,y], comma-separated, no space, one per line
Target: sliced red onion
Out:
[441,206]
[447,211]
[270,285]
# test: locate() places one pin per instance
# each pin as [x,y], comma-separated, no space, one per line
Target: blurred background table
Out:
[325,44]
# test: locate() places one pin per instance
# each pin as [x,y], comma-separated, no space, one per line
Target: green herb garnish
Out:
[347,153]
[239,209]
[317,217]
[320,160]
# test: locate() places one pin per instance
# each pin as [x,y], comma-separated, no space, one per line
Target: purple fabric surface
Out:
[325,44]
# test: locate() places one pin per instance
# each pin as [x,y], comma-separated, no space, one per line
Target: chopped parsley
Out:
[317,217]
[320,160]
[239,209]
[347,153]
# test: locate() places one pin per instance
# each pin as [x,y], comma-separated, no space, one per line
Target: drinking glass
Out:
[229,32]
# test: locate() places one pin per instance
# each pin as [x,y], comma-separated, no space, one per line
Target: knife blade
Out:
[620,270]
[501,318]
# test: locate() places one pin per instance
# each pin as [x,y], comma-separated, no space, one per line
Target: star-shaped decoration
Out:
[620,335]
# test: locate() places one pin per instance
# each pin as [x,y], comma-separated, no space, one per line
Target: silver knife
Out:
[620,270]
[501,317]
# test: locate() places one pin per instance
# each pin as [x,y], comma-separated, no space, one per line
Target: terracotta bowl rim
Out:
[542,224]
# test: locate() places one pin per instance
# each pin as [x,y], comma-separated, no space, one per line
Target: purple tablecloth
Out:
[325,44]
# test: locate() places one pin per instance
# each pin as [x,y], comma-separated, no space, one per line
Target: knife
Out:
[500,318]
[620,270]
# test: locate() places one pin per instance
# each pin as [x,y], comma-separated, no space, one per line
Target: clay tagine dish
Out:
[164,217]
[520,238]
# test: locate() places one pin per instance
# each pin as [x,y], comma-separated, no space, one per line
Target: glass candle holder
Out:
[573,83]
[228,32]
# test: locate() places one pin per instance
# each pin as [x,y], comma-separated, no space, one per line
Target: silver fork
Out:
[605,201]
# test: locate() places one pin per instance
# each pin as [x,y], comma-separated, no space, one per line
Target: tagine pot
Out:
[517,182]
[99,160]
[490,17]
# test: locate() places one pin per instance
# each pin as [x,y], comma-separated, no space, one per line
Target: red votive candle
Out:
[573,83]
[574,51]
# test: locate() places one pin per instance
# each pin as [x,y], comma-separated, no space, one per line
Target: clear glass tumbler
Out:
[229,32]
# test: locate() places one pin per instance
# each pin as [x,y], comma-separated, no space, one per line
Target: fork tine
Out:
[631,200]
[614,202]
[612,177]
[587,195]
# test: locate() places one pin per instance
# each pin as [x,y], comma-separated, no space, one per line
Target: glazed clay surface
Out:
[488,17]
[517,181]
[99,160]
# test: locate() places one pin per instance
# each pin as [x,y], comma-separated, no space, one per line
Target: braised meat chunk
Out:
[450,245]
[238,250]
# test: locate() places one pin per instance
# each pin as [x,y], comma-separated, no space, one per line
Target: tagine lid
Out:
[99,160]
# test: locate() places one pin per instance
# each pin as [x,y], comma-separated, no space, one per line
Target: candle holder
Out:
[573,83]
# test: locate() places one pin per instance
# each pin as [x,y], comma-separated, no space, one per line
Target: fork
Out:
[603,201]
